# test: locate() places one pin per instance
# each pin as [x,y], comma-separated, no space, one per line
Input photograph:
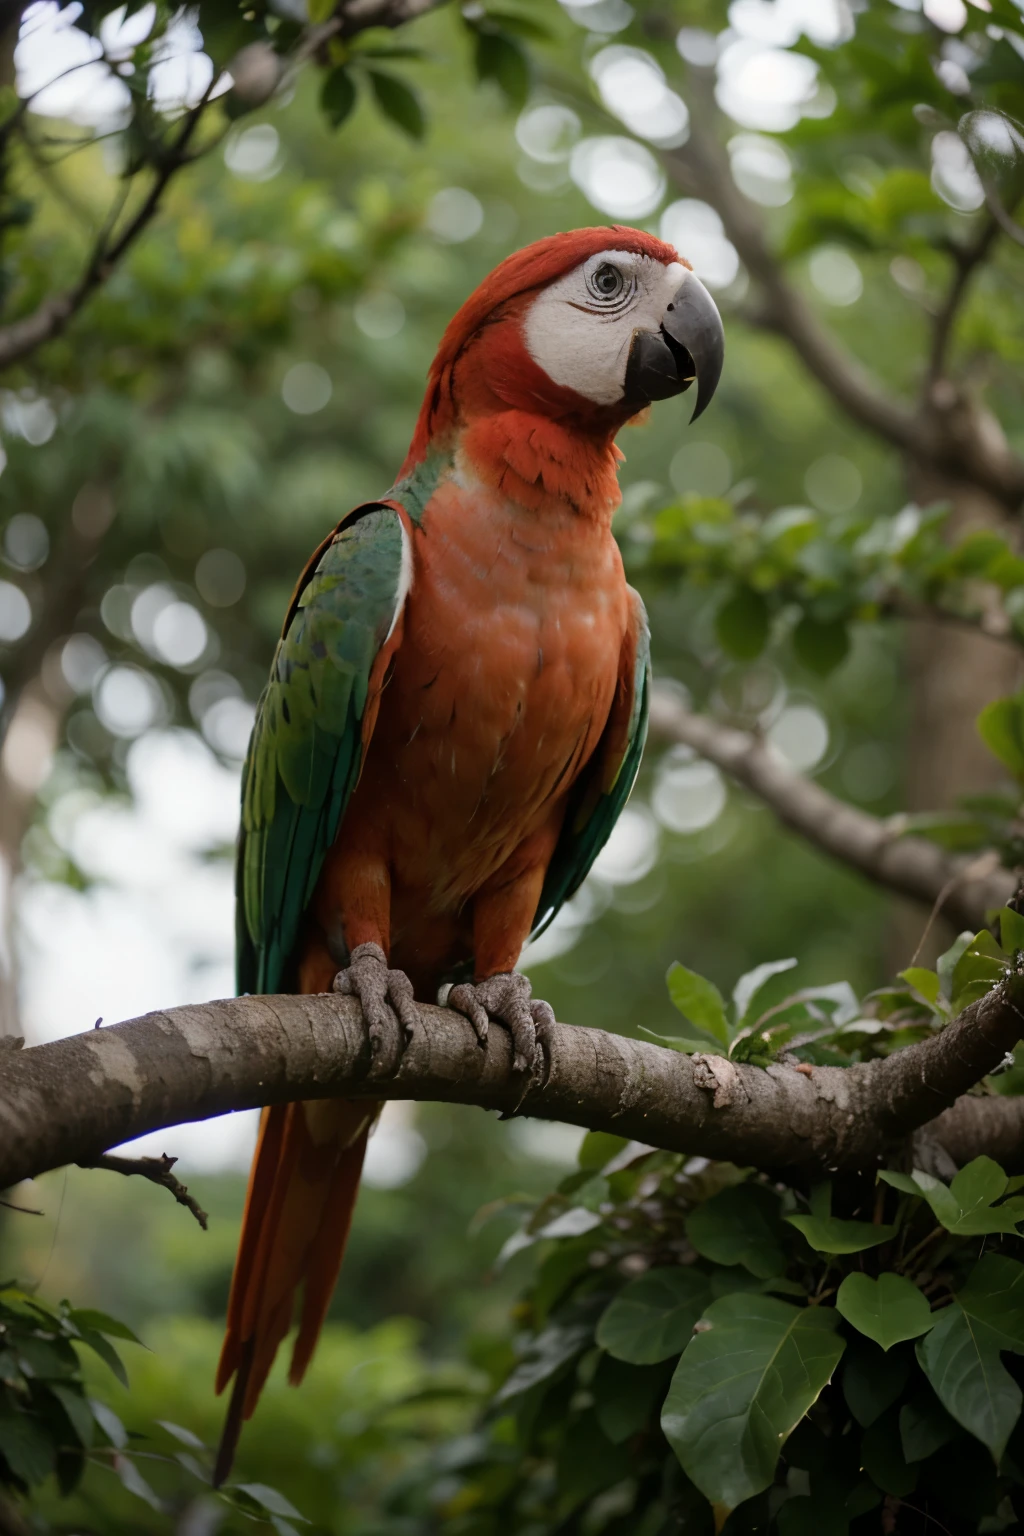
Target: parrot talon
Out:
[386,998]
[505,999]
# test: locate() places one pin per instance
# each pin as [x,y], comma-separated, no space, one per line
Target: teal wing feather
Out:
[589,819]
[306,749]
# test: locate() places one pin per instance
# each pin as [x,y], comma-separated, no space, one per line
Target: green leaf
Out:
[947,962]
[887,1310]
[503,59]
[966,1208]
[961,1354]
[741,1388]
[598,1148]
[106,1351]
[981,967]
[521,26]
[922,980]
[185,1436]
[624,1396]
[133,1480]
[872,1379]
[102,1322]
[1011,930]
[742,624]
[821,646]
[830,1234]
[925,1426]
[26,1447]
[685,1044]
[881,1454]
[740,1226]
[271,1500]
[653,1317]
[398,102]
[748,988]
[550,1355]
[76,1407]
[110,1424]
[337,95]
[1001,728]
[699,1001]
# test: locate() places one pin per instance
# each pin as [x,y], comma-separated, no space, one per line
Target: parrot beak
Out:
[690,345]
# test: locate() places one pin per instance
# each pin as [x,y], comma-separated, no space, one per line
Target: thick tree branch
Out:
[71,1100]
[911,866]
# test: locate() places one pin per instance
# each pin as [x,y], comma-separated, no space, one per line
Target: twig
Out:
[158,1171]
[966,259]
[24,1210]
[911,866]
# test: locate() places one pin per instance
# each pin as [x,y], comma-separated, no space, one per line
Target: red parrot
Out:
[455,716]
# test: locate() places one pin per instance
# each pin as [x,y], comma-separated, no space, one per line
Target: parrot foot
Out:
[387,1002]
[506,999]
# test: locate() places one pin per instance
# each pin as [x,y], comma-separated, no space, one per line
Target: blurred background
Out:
[251,371]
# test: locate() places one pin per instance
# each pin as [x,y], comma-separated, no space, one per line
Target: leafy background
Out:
[498,1355]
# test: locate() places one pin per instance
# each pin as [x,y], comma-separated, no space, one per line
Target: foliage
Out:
[700,1348]
[50,1426]
[118,1461]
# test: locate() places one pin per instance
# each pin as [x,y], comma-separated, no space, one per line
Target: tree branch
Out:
[910,866]
[158,1171]
[21,337]
[966,260]
[54,314]
[952,436]
[701,166]
[70,1100]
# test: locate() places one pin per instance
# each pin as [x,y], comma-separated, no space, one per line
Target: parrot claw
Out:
[386,998]
[506,999]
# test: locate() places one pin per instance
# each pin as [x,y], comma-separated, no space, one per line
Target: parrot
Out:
[454,720]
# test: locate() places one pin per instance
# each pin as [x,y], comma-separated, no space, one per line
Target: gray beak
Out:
[690,345]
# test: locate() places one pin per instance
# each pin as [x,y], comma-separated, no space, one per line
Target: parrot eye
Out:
[607,282]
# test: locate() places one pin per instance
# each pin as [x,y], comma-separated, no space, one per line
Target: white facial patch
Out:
[581,328]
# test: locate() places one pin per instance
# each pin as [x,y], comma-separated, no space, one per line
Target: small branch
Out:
[701,167]
[23,336]
[158,1171]
[910,866]
[953,441]
[1006,222]
[966,259]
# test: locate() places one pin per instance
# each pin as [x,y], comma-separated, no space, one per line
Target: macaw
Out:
[455,717]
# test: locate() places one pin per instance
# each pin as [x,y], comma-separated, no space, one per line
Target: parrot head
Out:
[564,342]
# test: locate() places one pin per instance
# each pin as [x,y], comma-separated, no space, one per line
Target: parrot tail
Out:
[298,1211]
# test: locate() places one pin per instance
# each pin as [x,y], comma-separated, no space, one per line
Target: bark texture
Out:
[71,1100]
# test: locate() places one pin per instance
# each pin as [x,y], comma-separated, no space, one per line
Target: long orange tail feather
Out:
[298,1211]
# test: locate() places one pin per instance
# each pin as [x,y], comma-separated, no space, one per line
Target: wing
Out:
[602,790]
[312,728]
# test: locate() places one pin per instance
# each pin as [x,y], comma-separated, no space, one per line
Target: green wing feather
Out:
[306,749]
[587,828]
